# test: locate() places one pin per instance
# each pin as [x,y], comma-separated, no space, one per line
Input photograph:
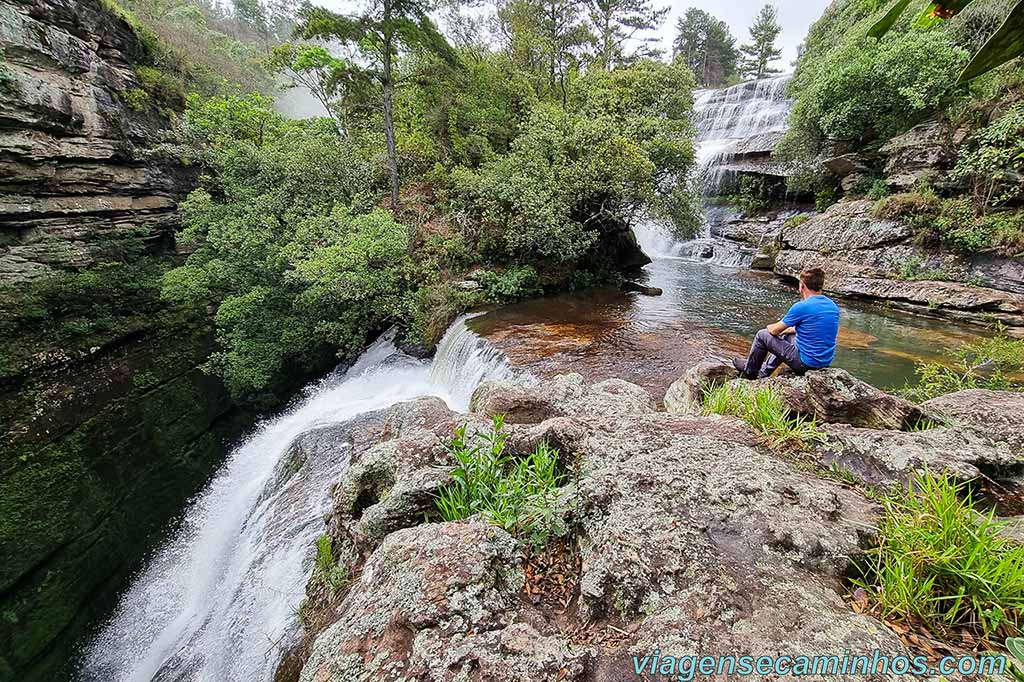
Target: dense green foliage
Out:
[518,494]
[705,45]
[942,561]
[293,257]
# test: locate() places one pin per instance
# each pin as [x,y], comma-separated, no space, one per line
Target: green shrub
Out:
[763,409]
[907,206]
[879,189]
[960,227]
[995,364]
[333,575]
[165,89]
[511,283]
[856,90]
[912,269]
[520,495]
[825,197]
[796,221]
[136,99]
[992,160]
[943,562]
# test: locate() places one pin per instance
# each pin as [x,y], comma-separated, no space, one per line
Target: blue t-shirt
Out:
[816,320]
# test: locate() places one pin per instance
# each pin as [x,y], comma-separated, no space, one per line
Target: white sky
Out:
[796,16]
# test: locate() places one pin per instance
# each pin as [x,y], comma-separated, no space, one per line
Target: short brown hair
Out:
[813,278]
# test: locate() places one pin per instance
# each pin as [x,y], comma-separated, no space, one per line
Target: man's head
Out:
[812,282]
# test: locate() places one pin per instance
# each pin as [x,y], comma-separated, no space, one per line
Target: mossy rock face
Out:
[97,462]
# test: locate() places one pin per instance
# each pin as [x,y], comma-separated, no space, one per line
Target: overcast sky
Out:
[796,16]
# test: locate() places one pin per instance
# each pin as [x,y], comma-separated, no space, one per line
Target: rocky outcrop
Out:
[80,181]
[688,536]
[924,154]
[835,396]
[106,432]
[868,257]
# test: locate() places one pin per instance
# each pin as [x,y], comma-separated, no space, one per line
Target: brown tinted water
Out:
[706,311]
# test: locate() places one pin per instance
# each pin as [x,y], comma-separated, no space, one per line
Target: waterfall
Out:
[737,129]
[743,119]
[217,602]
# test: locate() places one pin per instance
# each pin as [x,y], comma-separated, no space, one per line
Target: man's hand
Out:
[780,329]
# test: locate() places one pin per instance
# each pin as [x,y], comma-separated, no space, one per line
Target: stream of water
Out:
[216,601]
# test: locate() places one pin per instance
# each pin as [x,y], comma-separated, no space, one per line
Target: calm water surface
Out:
[706,311]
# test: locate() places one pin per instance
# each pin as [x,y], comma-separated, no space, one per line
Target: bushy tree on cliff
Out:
[379,34]
[759,54]
[618,21]
[546,38]
[705,44]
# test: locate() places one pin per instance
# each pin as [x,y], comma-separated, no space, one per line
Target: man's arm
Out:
[780,329]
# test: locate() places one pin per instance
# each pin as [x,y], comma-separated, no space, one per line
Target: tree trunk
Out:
[388,86]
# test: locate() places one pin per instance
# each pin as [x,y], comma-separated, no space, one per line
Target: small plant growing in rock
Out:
[520,495]
[941,561]
[334,575]
[763,409]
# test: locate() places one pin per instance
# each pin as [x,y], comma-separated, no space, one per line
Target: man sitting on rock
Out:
[804,339]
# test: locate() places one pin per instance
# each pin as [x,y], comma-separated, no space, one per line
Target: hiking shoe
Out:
[740,364]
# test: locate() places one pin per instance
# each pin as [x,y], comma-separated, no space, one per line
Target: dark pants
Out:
[768,352]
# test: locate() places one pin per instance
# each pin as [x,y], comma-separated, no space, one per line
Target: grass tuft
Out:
[520,495]
[941,561]
[763,409]
[334,575]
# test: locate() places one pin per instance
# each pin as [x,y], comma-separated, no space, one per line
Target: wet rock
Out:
[763,261]
[395,470]
[641,289]
[999,415]
[835,396]
[848,164]
[518,404]
[452,578]
[688,392]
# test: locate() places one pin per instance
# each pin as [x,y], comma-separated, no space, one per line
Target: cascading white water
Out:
[729,122]
[726,119]
[218,600]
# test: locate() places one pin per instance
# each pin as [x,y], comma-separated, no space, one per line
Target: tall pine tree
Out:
[547,38]
[705,44]
[759,54]
[617,22]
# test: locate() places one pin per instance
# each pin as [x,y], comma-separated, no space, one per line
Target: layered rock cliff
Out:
[79,179]
[107,424]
